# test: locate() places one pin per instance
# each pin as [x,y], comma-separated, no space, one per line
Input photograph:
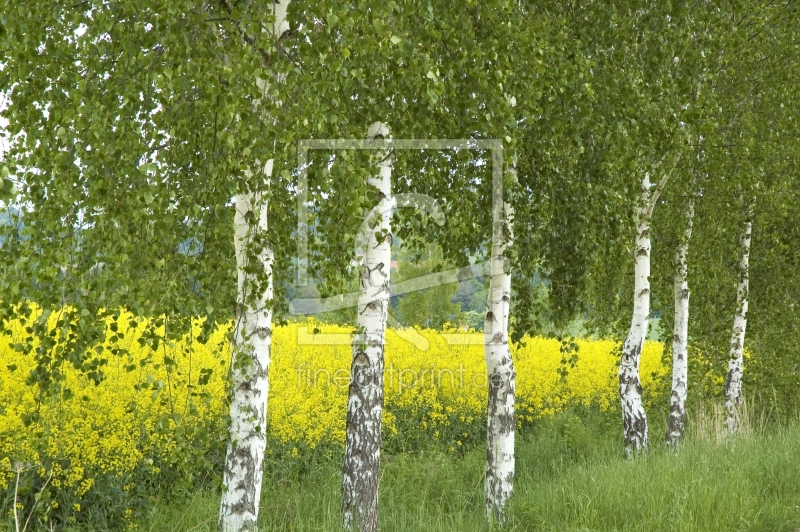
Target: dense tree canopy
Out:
[133,126]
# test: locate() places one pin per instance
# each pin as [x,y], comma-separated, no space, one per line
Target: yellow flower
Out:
[435,385]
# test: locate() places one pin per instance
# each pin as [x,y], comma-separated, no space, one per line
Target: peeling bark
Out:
[733,382]
[361,470]
[634,419]
[501,422]
[680,331]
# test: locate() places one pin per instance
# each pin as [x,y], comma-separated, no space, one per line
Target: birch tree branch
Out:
[660,187]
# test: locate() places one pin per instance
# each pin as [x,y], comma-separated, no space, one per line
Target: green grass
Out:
[571,476]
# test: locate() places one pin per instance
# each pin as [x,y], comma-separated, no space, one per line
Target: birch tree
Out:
[642,117]
[501,423]
[733,381]
[361,470]
[252,342]
[152,136]
[249,370]
[475,53]
[680,335]
[771,375]
[630,388]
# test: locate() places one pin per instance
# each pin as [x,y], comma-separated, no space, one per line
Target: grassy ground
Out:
[571,476]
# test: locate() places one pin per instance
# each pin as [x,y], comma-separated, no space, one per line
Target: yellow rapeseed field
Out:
[125,426]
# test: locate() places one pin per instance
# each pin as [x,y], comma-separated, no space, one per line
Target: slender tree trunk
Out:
[360,473]
[680,332]
[501,422]
[733,383]
[244,461]
[249,372]
[634,418]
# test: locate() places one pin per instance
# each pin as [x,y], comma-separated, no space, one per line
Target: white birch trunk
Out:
[249,375]
[630,388]
[733,383]
[680,332]
[361,469]
[244,461]
[501,422]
